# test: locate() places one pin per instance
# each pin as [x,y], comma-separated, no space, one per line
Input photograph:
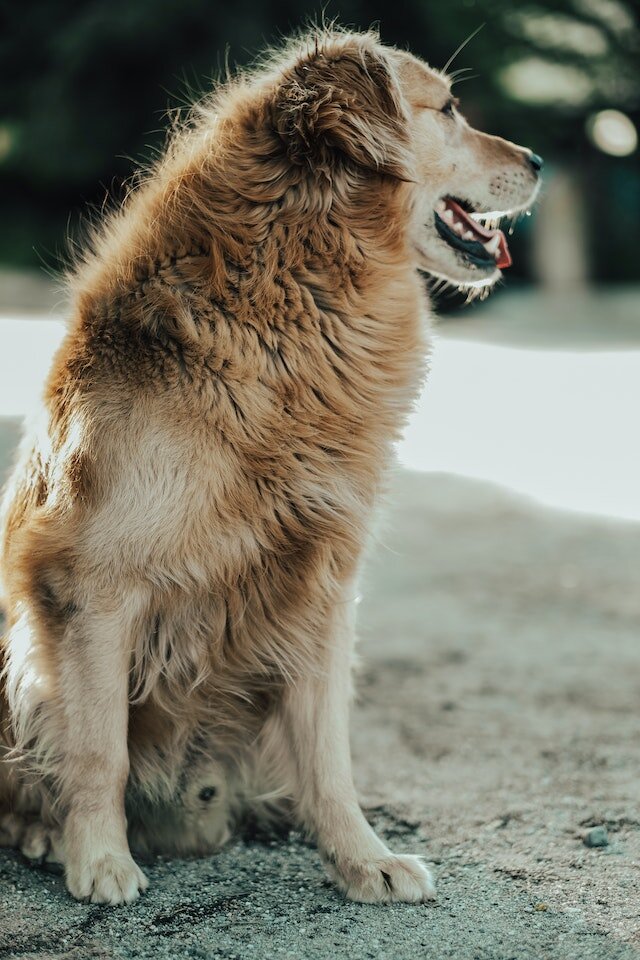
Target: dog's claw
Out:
[112,880]
[396,878]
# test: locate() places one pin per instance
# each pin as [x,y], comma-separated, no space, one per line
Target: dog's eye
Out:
[207,793]
[448,107]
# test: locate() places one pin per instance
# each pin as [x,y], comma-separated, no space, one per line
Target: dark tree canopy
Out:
[85,87]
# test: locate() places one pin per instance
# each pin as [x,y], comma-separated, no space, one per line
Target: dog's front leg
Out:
[93,690]
[316,716]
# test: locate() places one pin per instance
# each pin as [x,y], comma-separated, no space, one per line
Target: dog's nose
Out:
[536,162]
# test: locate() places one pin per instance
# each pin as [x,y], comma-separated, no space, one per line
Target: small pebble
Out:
[596,837]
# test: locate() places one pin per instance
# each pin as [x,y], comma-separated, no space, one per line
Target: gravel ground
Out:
[268,902]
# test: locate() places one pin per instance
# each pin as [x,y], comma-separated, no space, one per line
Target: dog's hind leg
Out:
[19,803]
[12,820]
[26,821]
[316,717]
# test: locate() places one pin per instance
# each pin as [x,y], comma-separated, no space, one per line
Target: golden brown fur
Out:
[182,536]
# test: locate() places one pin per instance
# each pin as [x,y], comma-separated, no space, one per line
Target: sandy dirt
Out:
[497,724]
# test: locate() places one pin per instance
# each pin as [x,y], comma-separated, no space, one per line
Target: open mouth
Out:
[484,247]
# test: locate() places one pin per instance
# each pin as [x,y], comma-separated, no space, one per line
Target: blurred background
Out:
[86,86]
[85,95]
[498,710]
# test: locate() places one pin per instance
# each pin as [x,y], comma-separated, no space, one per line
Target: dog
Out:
[184,528]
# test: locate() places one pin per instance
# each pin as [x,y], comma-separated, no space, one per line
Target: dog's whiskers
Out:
[457,73]
[461,47]
[472,76]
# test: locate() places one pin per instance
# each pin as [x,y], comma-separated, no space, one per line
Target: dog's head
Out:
[348,101]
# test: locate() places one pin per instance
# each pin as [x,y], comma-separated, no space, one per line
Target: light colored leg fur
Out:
[94,689]
[83,748]
[316,718]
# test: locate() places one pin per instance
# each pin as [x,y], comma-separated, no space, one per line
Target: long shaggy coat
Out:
[183,531]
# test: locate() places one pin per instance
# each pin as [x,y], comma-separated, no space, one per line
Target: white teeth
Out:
[448,216]
[467,235]
[458,228]
[493,245]
[440,206]
[493,216]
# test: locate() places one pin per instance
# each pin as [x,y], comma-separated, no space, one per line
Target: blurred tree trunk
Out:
[560,256]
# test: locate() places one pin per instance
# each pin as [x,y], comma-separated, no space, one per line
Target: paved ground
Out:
[497,724]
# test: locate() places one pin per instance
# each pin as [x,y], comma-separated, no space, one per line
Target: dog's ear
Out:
[344,103]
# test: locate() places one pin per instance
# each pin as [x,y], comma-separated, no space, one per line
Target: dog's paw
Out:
[12,827]
[35,843]
[42,843]
[111,879]
[391,879]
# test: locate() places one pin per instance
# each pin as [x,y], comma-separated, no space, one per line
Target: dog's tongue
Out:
[499,249]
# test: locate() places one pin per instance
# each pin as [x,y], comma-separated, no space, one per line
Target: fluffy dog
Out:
[183,532]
